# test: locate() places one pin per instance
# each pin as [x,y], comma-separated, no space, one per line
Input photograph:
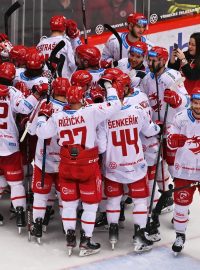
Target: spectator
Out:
[188,62]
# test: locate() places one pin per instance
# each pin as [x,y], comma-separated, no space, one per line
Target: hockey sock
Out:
[69,215]
[180,218]
[140,211]
[88,218]
[113,209]
[17,195]
[39,205]
[52,196]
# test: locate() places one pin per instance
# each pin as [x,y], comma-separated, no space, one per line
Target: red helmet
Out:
[75,94]
[159,52]
[115,72]
[7,71]
[195,94]
[35,60]
[137,19]
[138,47]
[90,53]
[60,86]
[18,55]
[58,23]
[122,81]
[81,78]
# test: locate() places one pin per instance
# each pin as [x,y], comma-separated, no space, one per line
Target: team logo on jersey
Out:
[177,166]
[68,191]
[183,196]
[38,185]
[112,165]
[153,98]
[112,189]
[195,142]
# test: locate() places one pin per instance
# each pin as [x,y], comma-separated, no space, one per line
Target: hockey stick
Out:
[116,34]
[10,11]
[84,21]
[28,193]
[157,88]
[54,59]
[158,157]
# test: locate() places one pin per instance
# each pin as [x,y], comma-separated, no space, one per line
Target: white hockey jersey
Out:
[46,45]
[187,159]
[79,126]
[135,75]
[166,80]
[111,49]
[150,144]
[119,141]
[21,77]
[9,106]
[53,149]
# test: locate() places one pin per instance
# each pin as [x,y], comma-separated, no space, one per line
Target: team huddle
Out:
[97,131]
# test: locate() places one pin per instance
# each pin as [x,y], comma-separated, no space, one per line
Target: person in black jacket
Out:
[188,62]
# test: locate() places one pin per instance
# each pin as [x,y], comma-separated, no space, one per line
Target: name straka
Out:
[64,122]
[131,120]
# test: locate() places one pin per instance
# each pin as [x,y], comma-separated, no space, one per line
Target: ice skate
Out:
[71,241]
[36,229]
[122,216]
[113,234]
[20,221]
[168,206]
[48,215]
[140,242]
[153,233]
[87,246]
[1,220]
[101,223]
[178,245]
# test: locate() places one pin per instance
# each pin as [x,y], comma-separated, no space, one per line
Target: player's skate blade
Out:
[1,220]
[71,241]
[178,245]
[36,229]
[113,234]
[140,242]
[87,246]
[20,221]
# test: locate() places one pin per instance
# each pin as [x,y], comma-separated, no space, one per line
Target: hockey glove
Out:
[172,98]
[105,64]
[21,86]
[4,90]
[46,109]
[108,78]
[40,90]
[176,140]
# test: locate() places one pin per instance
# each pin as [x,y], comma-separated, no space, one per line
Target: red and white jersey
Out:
[187,159]
[53,149]
[111,49]
[135,75]
[150,144]
[9,106]
[166,80]
[119,141]
[96,75]
[21,77]
[46,45]
[78,126]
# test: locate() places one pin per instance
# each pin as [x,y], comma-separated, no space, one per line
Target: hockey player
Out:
[87,57]
[79,174]
[124,163]
[184,136]
[11,171]
[134,64]
[41,194]
[137,24]
[46,45]
[160,94]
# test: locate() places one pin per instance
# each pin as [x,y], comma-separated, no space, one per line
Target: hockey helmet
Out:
[75,94]
[137,19]
[195,94]
[122,81]
[35,60]
[159,52]
[60,86]
[90,53]
[138,47]
[18,55]
[81,78]
[7,71]
[58,23]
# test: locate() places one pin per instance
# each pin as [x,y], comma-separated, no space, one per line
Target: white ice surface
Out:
[16,253]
